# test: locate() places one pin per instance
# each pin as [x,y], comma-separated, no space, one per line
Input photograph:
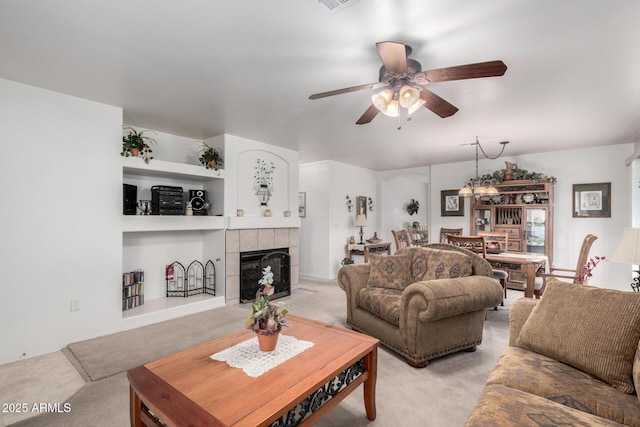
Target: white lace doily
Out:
[247,354]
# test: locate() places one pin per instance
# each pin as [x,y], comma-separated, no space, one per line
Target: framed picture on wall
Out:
[361,206]
[451,204]
[592,200]
[302,204]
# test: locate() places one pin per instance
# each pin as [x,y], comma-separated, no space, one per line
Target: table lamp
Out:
[628,252]
[361,221]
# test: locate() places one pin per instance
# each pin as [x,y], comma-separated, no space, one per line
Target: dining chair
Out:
[495,240]
[576,275]
[401,237]
[419,234]
[478,245]
[444,232]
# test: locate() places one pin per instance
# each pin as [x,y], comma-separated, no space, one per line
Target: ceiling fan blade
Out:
[393,56]
[346,90]
[469,71]
[436,104]
[368,115]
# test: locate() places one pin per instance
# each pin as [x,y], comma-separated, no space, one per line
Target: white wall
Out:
[591,165]
[60,219]
[325,231]
[397,188]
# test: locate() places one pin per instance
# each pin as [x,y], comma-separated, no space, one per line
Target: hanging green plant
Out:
[210,157]
[413,206]
[136,144]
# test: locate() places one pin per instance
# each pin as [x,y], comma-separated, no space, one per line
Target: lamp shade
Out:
[465,192]
[408,96]
[628,250]
[385,102]
[361,221]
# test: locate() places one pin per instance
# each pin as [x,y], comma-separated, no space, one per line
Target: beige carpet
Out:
[442,394]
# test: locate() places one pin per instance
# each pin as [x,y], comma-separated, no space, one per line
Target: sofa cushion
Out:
[545,377]
[383,302]
[432,264]
[390,271]
[505,406]
[595,330]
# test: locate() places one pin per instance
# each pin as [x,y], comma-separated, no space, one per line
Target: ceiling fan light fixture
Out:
[384,101]
[416,105]
[408,96]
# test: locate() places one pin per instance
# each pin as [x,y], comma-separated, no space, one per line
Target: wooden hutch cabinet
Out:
[524,209]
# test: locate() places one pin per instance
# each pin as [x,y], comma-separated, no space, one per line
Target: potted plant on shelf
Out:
[136,144]
[210,157]
[267,318]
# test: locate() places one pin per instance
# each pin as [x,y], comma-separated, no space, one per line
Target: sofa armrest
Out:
[438,299]
[352,278]
[518,314]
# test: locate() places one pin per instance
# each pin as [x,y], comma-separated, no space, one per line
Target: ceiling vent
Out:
[334,6]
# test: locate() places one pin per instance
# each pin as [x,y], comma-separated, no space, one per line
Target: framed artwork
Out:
[361,206]
[592,200]
[451,204]
[302,204]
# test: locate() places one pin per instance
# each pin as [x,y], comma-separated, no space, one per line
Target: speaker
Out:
[199,203]
[129,199]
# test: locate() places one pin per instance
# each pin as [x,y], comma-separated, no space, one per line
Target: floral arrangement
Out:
[210,157]
[267,318]
[137,144]
[588,269]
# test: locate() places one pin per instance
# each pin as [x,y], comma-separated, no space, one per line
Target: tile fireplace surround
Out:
[255,239]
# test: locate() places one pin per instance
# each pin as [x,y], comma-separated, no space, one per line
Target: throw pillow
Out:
[432,264]
[593,329]
[389,271]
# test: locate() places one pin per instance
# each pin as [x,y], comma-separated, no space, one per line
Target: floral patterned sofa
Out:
[422,302]
[573,360]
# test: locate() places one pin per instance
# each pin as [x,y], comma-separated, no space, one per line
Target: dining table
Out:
[529,262]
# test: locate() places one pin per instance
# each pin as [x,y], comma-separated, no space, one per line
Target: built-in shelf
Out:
[159,309]
[148,223]
[161,168]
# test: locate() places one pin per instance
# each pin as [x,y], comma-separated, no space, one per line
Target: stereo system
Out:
[129,199]
[199,202]
[166,200]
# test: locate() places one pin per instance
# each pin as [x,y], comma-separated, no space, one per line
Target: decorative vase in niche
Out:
[263,194]
[267,212]
[268,342]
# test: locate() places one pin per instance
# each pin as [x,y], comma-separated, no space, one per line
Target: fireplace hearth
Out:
[251,265]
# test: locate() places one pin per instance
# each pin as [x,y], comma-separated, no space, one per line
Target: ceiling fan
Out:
[404,83]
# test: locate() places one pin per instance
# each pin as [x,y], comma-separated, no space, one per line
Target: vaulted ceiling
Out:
[199,68]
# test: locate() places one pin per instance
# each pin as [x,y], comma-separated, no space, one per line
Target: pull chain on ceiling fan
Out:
[404,83]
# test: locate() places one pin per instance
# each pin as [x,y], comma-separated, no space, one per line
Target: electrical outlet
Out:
[75,305]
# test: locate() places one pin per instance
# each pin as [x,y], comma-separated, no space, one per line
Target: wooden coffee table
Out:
[191,389]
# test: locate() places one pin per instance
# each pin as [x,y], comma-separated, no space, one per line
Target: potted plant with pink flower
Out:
[267,318]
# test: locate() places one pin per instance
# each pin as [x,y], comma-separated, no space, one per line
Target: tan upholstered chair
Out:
[574,274]
[419,312]
[401,237]
[444,232]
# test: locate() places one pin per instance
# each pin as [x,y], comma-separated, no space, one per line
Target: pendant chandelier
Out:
[478,187]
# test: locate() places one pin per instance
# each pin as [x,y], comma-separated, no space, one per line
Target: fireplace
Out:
[251,265]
